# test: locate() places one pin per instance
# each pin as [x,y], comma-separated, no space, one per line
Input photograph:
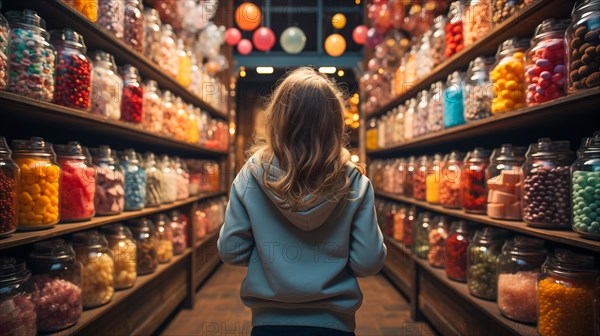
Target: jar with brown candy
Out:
[583,41]
[144,233]
[450,192]
[438,233]
[9,190]
[504,9]
[505,182]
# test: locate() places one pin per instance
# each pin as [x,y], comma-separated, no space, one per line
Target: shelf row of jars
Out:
[557,294]
[208,216]
[84,274]
[45,184]
[545,186]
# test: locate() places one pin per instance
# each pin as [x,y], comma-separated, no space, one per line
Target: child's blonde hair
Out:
[305,131]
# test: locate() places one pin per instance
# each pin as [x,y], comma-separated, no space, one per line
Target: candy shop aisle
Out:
[219,310]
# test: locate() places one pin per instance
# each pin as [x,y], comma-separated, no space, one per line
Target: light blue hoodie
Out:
[302,265]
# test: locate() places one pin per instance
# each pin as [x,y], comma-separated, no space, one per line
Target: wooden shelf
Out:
[58,15]
[572,106]
[490,308]
[89,316]
[560,236]
[522,24]
[15,106]
[26,237]
[206,238]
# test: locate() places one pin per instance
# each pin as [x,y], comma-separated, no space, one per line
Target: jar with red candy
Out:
[457,246]
[73,81]
[18,298]
[9,179]
[152,115]
[473,184]
[545,62]
[454,29]
[179,224]
[390,213]
[3,50]
[78,183]
[419,185]
[547,184]
[133,26]
[409,221]
[133,95]
[57,274]
[451,177]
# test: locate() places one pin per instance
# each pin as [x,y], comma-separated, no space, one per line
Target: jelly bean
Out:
[508,78]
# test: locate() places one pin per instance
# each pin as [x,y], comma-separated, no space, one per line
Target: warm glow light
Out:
[232,131]
[355,117]
[357,2]
[242,73]
[348,121]
[327,70]
[354,158]
[263,70]
[341,73]
[380,71]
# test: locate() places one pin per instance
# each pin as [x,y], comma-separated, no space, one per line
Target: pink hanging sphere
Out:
[359,34]
[244,47]
[233,36]
[263,38]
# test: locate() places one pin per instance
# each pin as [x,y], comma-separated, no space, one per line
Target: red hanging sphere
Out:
[233,36]
[359,34]
[244,47]
[263,38]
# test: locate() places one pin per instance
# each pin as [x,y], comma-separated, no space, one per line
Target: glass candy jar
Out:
[124,250]
[178,224]
[585,187]
[18,298]
[152,27]
[481,264]
[473,185]
[88,8]
[435,115]
[132,101]
[478,90]
[152,114]
[78,183]
[135,180]
[57,275]
[476,20]
[154,181]
[144,233]
[167,58]
[32,57]
[457,245]
[508,76]
[453,100]
[409,176]
[438,41]
[371,134]
[170,180]
[582,41]
[399,218]
[454,29]
[164,242]
[546,184]
[133,25]
[421,234]
[450,183]
[10,179]
[183,179]
[504,182]
[424,62]
[409,118]
[110,180]
[73,77]
[111,16]
[39,198]
[420,178]
[519,266]
[503,10]
[566,294]
[438,233]
[98,268]
[184,70]
[421,116]
[169,109]
[433,179]
[107,86]
[3,51]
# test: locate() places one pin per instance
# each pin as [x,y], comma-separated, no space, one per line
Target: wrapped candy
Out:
[109,196]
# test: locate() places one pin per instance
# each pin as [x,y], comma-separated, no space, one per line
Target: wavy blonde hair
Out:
[305,131]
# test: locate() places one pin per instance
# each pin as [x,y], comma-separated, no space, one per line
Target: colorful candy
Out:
[437,245]
[450,184]
[476,21]
[454,114]
[97,270]
[78,183]
[517,295]
[504,182]
[152,114]
[3,52]
[108,199]
[133,96]
[89,8]
[59,303]
[135,180]
[586,202]
[111,14]
[508,76]
[454,30]
[457,245]
[133,26]
[18,314]
[478,90]
[473,184]
[504,9]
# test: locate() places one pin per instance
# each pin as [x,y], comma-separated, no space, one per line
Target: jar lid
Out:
[513,44]
[455,11]
[566,263]
[551,26]
[103,56]
[89,239]
[72,149]
[130,155]
[454,156]
[56,250]
[585,6]
[592,144]
[454,78]
[27,16]
[481,64]
[116,231]
[161,220]
[545,146]
[34,144]
[141,225]
[68,36]
[489,235]
[128,71]
[460,226]
[523,245]
[478,154]
[12,270]
[509,154]
[103,154]
[4,149]
[168,96]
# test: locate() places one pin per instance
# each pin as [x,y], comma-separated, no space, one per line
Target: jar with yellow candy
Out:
[164,243]
[194,132]
[433,179]
[566,294]
[89,8]
[98,268]
[39,196]
[182,120]
[508,76]
[124,249]
[184,71]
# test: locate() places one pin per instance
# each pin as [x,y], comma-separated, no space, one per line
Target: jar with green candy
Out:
[421,235]
[3,50]
[481,263]
[585,188]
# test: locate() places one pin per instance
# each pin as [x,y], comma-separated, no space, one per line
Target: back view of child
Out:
[301,217]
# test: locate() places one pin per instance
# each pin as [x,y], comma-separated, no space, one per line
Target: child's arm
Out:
[236,241]
[367,250]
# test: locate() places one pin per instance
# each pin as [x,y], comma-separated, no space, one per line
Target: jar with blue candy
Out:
[135,180]
[453,100]
[585,174]
[31,67]
[3,50]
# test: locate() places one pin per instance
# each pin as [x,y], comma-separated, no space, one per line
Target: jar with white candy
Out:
[107,86]
[98,267]
[167,58]
[124,251]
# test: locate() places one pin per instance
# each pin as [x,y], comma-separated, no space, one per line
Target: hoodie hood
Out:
[306,218]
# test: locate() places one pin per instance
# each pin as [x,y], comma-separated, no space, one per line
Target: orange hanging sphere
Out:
[248,16]
[335,45]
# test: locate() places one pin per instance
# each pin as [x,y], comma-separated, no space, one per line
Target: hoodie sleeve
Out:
[236,240]
[367,250]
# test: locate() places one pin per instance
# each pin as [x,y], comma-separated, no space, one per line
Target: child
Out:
[301,217]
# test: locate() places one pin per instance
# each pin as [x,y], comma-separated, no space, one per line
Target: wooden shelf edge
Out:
[490,308]
[559,236]
[406,250]
[40,108]
[89,316]
[490,124]
[27,237]
[206,238]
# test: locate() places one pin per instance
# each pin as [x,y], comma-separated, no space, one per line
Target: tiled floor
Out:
[219,311]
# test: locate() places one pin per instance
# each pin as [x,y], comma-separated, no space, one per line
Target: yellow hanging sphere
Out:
[335,45]
[338,21]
